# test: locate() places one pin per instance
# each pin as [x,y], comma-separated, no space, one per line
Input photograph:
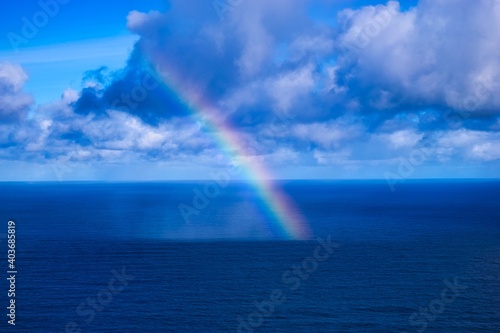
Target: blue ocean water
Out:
[119,257]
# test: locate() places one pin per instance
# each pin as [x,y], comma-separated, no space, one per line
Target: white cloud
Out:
[328,158]
[402,138]
[12,77]
[472,145]
[268,60]
[318,45]
[326,134]
[14,103]
[289,87]
[441,52]
[138,21]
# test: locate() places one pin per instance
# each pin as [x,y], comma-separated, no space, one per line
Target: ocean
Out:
[120,257]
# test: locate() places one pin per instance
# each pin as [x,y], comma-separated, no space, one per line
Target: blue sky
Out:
[330,89]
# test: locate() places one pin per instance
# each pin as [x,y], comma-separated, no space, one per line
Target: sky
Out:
[185,89]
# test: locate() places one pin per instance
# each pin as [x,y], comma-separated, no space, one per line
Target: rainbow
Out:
[286,218]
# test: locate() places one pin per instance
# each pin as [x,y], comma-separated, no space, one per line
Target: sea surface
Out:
[120,257]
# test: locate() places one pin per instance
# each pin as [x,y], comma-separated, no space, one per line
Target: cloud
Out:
[473,145]
[340,157]
[326,135]
[252,45]
[295,90]
[142,22]
[402,138]
[117,137]
[438,54]
[14,102]
[136,90]
[289,87]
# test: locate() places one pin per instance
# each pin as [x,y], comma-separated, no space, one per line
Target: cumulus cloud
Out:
[14,102]
[258,64]
[139,22]
[289,87]
[440,53]
[116,135]
[294,88]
